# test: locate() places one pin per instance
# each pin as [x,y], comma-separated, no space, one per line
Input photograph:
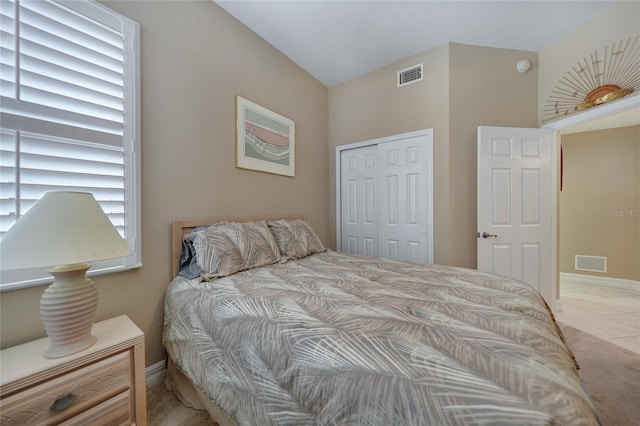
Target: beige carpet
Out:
[611,376]
[164,409]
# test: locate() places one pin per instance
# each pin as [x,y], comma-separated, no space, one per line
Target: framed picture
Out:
[265,140]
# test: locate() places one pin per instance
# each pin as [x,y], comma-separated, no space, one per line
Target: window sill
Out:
[47,280]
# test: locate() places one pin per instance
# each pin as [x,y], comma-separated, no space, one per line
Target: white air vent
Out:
[590,263]
[410,75]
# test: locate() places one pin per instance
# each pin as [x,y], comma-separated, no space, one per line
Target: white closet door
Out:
[385,204]
[358,199]
[404,173]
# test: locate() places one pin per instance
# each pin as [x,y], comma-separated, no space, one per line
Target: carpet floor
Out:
[610,374]
[164,409]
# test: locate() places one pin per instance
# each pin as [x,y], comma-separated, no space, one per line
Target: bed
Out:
[267,327]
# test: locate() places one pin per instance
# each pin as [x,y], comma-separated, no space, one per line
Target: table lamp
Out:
[66,229]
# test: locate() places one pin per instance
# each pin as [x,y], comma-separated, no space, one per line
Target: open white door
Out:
[515,205]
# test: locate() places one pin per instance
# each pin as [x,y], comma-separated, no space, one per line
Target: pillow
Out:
[295,238]
[188,266]
[228,247]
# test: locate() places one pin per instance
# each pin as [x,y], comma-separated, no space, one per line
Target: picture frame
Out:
[265,140]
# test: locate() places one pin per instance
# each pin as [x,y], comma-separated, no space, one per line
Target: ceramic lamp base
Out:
[68,308]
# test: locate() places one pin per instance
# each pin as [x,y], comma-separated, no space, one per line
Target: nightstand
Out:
[101,385]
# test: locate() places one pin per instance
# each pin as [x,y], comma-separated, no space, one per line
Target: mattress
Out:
[336,339]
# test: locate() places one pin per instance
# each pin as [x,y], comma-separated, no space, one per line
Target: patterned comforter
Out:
[334,339]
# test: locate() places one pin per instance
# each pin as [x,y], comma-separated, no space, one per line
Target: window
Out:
[69,116]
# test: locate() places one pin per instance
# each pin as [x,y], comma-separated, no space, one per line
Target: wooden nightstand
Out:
[101,385]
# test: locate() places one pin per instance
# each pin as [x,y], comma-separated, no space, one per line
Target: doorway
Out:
[622,112]
[604,307]
[599,284]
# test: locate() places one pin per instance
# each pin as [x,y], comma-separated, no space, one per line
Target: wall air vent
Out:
[590,263]
[410,75]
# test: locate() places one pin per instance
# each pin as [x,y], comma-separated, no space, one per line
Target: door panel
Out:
[531,201]
[358,168]
[404,166]
[501,206]
[531,262]
[501,259]
[514,205]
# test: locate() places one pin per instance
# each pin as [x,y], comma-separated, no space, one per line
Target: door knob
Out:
[488,235]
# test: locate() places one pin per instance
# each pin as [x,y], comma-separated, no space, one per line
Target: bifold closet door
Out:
[386,199]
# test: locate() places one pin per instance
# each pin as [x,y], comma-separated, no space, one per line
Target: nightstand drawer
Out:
[73,392]
[112,412]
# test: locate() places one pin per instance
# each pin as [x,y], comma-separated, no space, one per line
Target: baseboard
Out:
[154,373]
[601,281]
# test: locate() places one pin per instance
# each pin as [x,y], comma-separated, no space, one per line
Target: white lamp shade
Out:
[61,228]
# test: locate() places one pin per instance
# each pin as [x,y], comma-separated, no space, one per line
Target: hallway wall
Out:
[600,200]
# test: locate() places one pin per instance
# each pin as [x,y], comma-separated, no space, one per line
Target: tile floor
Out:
[610,313]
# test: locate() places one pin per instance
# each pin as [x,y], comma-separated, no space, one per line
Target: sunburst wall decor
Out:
[606,75]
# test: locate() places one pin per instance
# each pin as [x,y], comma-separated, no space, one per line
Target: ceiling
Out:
[338,40]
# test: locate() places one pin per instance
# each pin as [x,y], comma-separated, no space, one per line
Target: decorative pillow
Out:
[228,247]
[295,238]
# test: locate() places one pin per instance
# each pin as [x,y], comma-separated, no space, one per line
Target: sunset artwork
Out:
[265,140]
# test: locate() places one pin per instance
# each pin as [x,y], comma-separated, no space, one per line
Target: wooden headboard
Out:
[182,227]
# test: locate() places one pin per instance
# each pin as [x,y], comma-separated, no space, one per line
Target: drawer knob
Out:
[63,402]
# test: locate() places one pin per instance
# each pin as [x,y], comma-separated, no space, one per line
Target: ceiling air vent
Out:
[590,263]
[410,75]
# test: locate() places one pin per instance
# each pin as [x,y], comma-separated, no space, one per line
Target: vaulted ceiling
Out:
[336,41]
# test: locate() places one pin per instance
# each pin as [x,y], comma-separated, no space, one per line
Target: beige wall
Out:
[463,87]
[372,107]
[485,90]
[600,200]
[195,58]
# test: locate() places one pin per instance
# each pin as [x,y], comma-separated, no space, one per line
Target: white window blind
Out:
[69,115]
